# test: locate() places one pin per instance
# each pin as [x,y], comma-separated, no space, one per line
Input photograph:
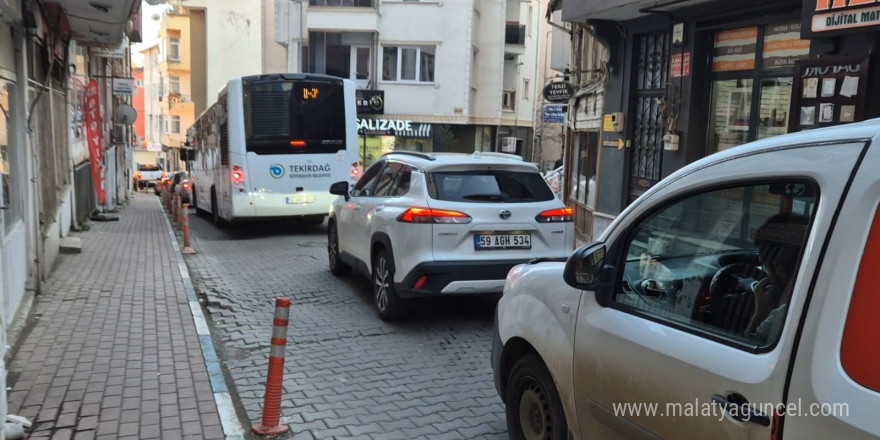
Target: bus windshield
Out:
[294,117]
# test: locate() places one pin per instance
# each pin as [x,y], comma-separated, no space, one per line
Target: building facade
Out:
[687,79]
[433,76]
[52,173]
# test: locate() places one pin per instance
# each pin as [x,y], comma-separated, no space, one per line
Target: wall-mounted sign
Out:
[123,86]
[835,17]
[393,127]
[828,92]
[370,102]
[783,45]
[680,65]
[678,34]
[559,91]
[735,49]
[110,52]
[554,113]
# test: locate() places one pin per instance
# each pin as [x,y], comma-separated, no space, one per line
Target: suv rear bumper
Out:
[456,278]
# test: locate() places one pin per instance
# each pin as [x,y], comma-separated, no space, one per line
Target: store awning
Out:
[96,22]
[620,10]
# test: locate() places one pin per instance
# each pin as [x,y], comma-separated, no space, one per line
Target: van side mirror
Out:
[584,267]
[340,189]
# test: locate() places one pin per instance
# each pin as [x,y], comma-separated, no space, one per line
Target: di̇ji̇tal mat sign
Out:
[836,17]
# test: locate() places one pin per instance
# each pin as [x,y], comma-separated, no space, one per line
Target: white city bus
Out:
[271,146]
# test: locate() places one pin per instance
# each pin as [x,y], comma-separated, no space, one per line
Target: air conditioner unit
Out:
[508,144]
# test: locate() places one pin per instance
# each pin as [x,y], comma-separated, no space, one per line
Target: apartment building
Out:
[433,76]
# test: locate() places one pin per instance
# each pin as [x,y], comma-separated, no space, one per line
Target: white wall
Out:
[234,41]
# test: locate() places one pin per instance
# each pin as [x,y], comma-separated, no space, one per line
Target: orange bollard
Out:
[178,214]
[272,402]
[187,249]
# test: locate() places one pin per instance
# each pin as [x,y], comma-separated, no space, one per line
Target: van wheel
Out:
[337,267]
[389,305]
[534,411]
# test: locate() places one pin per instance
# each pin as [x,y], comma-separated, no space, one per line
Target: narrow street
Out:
[347,373]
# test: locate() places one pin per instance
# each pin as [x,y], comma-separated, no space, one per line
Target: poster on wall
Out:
[827,92]
[94,138]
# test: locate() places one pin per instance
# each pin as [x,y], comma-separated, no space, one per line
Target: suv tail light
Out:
[556,216]
[185,185]
[428,215]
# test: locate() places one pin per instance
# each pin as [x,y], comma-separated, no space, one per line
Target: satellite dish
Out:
[156,17]
[124,114]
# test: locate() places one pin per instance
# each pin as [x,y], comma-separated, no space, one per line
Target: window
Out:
[386,179]
[413,63]
[480,186]
[174,49]
[174,85]
[10,199]
[508,100]
[743,58]
[721,262]
[365,184]
[525,89]
[175,124]
[583,185]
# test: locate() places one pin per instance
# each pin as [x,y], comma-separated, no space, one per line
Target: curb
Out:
[231,426]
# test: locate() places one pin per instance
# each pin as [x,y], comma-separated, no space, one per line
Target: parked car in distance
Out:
[423,224]
[148,175]
[736,299]
[177,183]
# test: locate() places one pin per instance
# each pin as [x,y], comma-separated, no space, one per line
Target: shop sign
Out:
[393,127]
[123,86]
[783,45]
[559,91]
[94,136]
[370,102]
[680,65]
[735,50]
[110,52]
[835,17]
[554,114]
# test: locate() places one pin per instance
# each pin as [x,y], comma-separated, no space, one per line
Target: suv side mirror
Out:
[340,189]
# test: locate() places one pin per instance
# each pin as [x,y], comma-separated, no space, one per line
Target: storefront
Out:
[380,136]
[689,79]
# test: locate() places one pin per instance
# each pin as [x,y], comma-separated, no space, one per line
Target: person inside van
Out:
[779,242]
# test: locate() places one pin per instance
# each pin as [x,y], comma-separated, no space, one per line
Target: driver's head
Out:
[779,242]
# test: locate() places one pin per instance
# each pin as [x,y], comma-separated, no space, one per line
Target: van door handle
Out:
[738,408]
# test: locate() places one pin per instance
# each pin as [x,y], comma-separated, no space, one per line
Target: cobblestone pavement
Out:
[347,373]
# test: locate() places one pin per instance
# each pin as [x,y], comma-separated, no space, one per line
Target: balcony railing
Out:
[177,97]
[515,34]
[343,3]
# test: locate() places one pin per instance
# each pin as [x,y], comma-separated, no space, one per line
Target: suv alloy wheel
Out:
[389,305]
[337,267]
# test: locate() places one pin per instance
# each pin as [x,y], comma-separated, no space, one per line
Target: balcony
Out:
[515,33]
[178,104]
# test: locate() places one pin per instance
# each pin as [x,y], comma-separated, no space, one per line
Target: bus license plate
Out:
[298,200]
[502,241]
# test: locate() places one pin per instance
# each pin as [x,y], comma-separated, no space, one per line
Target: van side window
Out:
[721,262]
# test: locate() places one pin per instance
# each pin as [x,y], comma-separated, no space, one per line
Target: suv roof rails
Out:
[419,154]
[497,154]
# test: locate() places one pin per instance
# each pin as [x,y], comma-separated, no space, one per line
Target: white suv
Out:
[736,299]
[423,224]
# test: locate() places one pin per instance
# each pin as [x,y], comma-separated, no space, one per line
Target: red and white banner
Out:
[95,138]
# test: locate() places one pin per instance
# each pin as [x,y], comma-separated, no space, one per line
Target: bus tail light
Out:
[428,215]
[355,170]
[237,175]
[298,144]
[556,216]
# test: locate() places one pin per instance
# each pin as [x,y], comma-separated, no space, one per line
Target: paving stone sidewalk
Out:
[111,349]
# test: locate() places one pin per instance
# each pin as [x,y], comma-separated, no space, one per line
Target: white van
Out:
[737,299]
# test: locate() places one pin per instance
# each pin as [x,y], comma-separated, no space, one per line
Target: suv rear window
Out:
[490,186]
[149,168]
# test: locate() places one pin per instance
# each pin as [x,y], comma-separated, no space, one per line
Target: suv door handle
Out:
[379,208]
[738,408]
